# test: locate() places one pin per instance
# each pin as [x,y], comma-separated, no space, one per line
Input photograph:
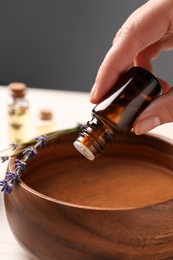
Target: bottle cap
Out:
[84,150]
[45,114]
[17,89]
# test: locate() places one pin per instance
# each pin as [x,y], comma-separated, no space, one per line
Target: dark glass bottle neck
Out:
[93,138]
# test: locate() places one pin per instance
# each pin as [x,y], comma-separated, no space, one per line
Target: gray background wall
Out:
[60,44]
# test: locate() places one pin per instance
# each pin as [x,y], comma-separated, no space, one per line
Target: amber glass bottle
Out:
[116,114]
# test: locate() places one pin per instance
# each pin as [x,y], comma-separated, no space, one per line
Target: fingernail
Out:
[92,93]
[146,124]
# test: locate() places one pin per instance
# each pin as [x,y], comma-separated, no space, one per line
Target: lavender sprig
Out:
[4,158]
[6,186]
[29,152]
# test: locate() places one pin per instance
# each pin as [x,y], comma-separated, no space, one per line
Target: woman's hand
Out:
[147,32]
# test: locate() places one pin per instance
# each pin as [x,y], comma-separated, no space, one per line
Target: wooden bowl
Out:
[120,206]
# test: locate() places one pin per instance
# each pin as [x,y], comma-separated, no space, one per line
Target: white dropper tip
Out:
[84,150]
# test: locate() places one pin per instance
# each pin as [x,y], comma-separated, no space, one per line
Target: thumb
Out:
[159,112]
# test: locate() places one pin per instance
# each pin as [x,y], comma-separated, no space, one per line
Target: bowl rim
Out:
[27,188]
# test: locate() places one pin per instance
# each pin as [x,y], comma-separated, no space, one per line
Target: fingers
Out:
[139,31]
[160,111]
[145,57]
[165,86]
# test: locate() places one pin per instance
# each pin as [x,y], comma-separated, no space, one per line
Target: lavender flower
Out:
[20,166]
[29,153]
[6,186]
[4,158]
[12,177]
[80,126]
[13,146]
[41,140]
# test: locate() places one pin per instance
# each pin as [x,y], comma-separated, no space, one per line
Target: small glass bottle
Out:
[18,113]
[45,123]
[116,114]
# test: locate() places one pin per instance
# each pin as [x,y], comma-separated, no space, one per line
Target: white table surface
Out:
[69,109]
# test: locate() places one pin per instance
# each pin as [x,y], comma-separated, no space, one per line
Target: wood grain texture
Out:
[67,207]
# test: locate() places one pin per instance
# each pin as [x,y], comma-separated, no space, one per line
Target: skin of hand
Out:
[146,32]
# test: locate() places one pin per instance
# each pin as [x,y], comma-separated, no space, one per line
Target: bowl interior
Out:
[134,172]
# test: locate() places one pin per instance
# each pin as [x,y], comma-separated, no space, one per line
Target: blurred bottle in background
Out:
[45,123]
[18,113]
